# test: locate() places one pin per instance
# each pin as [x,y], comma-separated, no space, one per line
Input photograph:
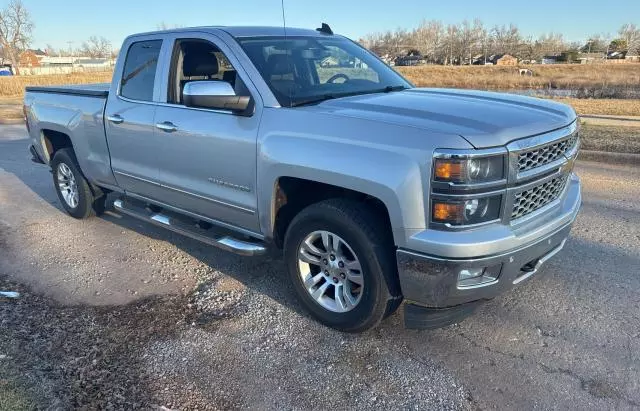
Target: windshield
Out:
[305,70]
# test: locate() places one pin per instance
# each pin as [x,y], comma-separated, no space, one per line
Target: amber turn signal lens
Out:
[448,170]
[448,211]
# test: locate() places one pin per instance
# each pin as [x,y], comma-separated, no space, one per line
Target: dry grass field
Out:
[610,138]
[562,76]
[557,76]
[13,86]
[617,107]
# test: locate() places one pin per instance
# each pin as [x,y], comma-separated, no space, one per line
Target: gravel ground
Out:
[116,314]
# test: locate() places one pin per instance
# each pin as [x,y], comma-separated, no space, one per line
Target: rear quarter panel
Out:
[79,117]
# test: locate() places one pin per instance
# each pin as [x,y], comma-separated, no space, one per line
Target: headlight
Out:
[470,170]
[467,212]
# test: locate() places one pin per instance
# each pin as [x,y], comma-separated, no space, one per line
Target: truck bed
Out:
[87,90]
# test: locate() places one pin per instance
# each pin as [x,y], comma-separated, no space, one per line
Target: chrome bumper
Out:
[431,280]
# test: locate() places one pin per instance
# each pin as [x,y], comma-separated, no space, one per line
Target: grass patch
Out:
[13,398]
[571,76]
[614,107]
[610,138]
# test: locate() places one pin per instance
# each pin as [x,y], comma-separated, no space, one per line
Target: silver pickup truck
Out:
[375,192]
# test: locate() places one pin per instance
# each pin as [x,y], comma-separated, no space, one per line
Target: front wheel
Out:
[72,188]
[341,264]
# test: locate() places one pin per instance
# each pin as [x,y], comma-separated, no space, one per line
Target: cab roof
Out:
[246,31]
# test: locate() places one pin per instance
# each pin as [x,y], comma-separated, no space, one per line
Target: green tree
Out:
[618,45]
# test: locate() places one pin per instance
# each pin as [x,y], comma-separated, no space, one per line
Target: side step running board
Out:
[224,242]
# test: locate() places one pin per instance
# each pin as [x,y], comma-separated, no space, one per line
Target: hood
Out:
[484,119]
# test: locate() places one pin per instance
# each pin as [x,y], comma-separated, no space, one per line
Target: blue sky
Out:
[58,22]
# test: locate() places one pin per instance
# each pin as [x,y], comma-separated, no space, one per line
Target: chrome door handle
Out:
[115,119]
[167,126]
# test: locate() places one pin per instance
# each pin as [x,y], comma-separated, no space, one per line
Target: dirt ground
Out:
[117,314]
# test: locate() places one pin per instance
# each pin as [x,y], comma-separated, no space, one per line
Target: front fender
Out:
[381,159]
[392,177]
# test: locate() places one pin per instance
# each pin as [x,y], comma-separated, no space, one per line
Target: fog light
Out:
[471,273]
[478,276]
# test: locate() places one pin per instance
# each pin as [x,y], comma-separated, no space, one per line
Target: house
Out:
[31,58]
[62,65]
[586,58]
[480,60]
[633,54]
[85,62]
[388,59]
[410,60]
[495,59]
[506,60]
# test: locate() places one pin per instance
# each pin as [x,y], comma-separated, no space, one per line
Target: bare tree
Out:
[428,39]
[96,47]
[16,29]
[469,40]
[506,40]
[50,50]
[549,44]
[459,43]
[451,44]
[596,43]
[630,34]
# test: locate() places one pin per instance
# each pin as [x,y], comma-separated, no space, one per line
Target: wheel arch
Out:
[292,194]
[54,139]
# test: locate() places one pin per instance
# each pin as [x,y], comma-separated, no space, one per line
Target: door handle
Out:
[167,126]
[115,119]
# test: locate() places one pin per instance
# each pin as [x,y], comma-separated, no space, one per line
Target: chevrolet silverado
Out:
[375,192]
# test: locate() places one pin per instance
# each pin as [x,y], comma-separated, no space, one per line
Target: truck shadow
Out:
[252,272]
[262,274]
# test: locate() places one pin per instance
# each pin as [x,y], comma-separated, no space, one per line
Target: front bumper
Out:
[430,282]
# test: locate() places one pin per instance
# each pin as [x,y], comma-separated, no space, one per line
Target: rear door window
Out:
[138,77]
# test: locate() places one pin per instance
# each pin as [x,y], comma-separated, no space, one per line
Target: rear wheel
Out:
[342,264]
[72,188]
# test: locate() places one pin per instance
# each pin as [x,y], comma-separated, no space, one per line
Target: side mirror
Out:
[217,95]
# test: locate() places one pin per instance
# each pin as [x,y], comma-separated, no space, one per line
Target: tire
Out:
[360,233]
[65,170]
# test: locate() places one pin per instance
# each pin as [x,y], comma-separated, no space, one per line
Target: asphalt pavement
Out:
[567,339]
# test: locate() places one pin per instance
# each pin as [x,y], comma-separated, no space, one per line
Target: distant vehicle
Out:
[413,60]
[374,191]
[6,70]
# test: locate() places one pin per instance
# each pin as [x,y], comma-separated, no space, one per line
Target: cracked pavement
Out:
[569,338]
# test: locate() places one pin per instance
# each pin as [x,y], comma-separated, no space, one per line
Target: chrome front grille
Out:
[546,154]
[528,201]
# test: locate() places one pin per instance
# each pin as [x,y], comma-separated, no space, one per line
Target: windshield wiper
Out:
[320,99]
[389,89]
[314,100]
